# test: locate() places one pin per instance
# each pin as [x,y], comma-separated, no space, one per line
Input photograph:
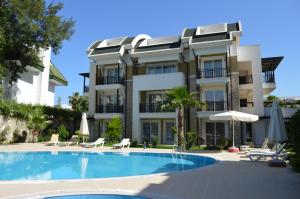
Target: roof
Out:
[159,43]
[215,36]
[270,63]
[207,33]
[56,75]
[38,64]
[109,45]
[84,74]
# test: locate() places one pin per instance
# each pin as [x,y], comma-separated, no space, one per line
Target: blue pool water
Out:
[83,165]
[95,196]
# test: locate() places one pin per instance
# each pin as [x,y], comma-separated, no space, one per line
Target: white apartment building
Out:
[37,84]
[129,76]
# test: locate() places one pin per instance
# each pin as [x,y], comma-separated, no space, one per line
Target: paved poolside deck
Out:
[234,177]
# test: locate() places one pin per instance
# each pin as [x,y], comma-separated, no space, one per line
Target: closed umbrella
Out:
[234,116]
[84,128]
[277,131]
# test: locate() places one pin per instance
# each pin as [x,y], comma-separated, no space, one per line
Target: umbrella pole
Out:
[233,133]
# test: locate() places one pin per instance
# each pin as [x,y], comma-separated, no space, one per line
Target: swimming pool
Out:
[95,196]
[87,165]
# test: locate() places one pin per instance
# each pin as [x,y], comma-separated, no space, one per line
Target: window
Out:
[111,99]
[215,132]
[213,68]
[164,68]
[155,98]
[214,95]
[213,64]
[215,100]
[150,131]
[169,135]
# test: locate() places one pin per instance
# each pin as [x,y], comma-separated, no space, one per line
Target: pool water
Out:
[85,165]
[95,196]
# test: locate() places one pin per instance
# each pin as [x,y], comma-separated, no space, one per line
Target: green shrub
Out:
[213,147]
[191,139]
[134,143]
[19,138]
[63,133]
[3,134]
[250,144]
[43,138]
[114,130]
[154,141]
[293,131]
[295,163]
[81,136]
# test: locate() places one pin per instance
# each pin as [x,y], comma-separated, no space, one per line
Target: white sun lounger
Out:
[264,146]
[267,153]
[98,142]
[124,143]
[54,140]
[73,140]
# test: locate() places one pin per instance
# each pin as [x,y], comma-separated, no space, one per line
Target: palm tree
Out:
[179,98]
[37,121]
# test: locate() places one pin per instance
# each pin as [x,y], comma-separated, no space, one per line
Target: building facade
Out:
[129,77]
[37,84]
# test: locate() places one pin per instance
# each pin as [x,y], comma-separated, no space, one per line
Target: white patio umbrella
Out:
[234,116]
[277,131]
[84,128]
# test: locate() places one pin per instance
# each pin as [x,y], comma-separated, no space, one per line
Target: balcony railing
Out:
[153,108]
[85,89]
[215,106]
[109,80]
[109,108]
[211,73]
[268,77]
[246,79]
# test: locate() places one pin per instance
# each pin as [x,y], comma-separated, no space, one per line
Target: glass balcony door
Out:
[215,100]
[215,133]
[169,135]
[150,131]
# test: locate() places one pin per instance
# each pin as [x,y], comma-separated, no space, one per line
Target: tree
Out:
[272,98]
[78,102]
[58,102]
[37,121]
[179,98]
[114,130]
[27,27]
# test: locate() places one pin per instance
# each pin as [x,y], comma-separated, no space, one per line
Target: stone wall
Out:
[11,125]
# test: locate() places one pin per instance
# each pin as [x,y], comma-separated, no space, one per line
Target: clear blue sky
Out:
[275,25]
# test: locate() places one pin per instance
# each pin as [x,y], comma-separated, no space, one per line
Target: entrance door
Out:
[215,133]
[150,131]
[169,135]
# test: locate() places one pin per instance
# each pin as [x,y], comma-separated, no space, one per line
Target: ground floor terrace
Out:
[234,176]
[150,127]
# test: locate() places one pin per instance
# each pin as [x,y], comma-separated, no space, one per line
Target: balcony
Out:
[215,106]
[109,80]
[153,108]
[268,77]
[86,89]
[211,73]
[214,77]
[245,79]
[109,108]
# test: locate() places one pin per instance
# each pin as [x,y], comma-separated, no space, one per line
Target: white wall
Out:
[252,54]
[150,82]
[33,86]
